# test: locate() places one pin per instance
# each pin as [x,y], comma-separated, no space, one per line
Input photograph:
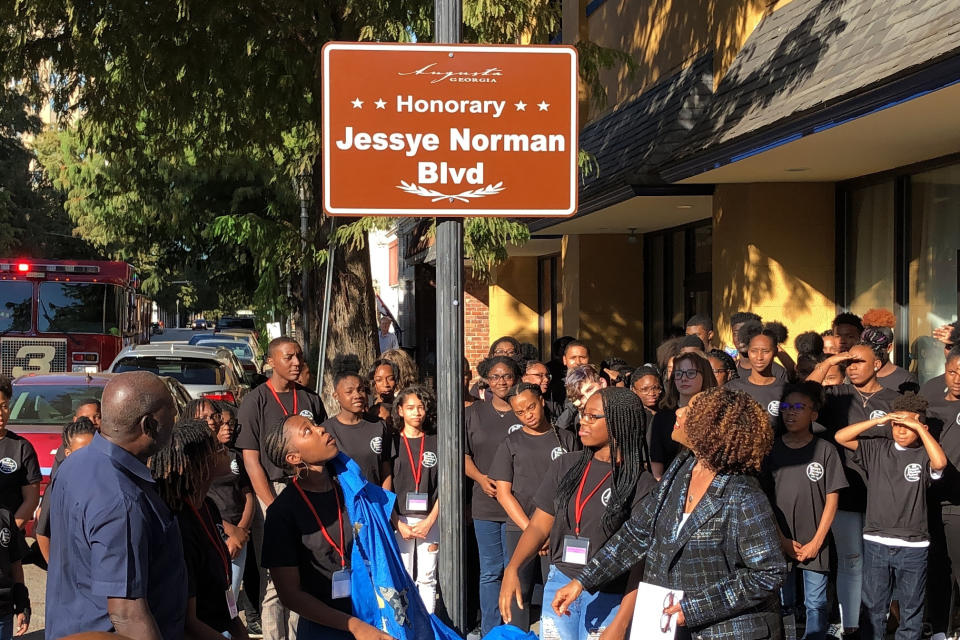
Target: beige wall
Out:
[773,254]
[513,300]
[569,312]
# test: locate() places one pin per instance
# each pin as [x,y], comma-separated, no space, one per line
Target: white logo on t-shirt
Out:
[879,413]
[4,537]
[8,465]
[306,413]
[814,471]
[376,444]
[958,418]
[557,452]
[774,408]
[235,467]
[514,428]
[429,459]
[605,496]
[912,472]
[220,530]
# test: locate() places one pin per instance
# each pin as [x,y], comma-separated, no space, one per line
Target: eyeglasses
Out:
[591,417]
[504,352]
[689,374]
[786,406]
[665,618]
[215,418]
[656,389]
[717,372]
[509,377]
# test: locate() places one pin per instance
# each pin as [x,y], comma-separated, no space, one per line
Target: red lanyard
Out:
[277,397]
[336,494]
[213,540]
[577,505]
[416,469]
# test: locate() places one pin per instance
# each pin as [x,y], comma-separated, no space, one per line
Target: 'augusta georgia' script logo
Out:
[912,472]
[437,75]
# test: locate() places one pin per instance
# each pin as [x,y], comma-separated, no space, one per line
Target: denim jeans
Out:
[814,600]
[237,566]
[6,628]
[847,532]
[893,573]
[492,548]
[589,614]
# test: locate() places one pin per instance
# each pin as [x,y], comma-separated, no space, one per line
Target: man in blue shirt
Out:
[116,560]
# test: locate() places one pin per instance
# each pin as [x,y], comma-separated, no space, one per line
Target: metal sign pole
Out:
[448,21]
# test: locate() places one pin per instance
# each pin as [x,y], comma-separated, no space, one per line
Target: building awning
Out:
[630,142]
[811,70]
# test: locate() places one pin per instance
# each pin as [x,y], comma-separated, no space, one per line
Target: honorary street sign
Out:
[449,130]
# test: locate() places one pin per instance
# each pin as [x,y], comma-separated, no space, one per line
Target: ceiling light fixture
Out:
[797,169]
[632,238]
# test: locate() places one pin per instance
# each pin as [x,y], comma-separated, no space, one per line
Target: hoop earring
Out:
[302,467]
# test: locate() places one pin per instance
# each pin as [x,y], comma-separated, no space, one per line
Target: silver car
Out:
[206,372]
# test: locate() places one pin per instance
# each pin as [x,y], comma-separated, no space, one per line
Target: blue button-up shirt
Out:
[111,536]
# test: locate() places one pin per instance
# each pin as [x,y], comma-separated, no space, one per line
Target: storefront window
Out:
[935,240]
[870,248]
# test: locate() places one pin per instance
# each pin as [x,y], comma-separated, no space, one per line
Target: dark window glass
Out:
[236,323]
[15,303]
[185,370]
[49,404]
[79,307]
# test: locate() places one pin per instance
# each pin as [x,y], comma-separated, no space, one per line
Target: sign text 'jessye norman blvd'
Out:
[445,130]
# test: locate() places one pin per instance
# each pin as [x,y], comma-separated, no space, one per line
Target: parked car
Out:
[238,322]
[156,328]
[239,334]
[43,403]
[199,324]
[208,372]
[248,358]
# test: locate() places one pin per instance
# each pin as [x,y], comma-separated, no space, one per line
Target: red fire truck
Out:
[68,315]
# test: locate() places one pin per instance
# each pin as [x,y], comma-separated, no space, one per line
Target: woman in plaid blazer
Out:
[707,530]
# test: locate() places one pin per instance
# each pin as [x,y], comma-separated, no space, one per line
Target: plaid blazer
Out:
[726,558]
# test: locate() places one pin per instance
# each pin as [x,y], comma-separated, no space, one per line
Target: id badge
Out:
[231,603]
[417,502]
[575,550]
[340,584]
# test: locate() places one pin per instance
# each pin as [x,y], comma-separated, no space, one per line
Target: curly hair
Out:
[729,431]
[913,403]
[879,318]
[773,330]
[407,372]
[487,364]
[6,387]
[429,401]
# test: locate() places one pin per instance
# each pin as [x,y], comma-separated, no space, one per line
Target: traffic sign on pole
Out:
[449,130]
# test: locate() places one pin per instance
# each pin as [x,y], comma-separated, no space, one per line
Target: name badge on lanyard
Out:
[340,584]
[576,550]
[417,502]
[231,603]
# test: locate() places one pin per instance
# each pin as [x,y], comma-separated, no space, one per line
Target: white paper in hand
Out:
[649,621]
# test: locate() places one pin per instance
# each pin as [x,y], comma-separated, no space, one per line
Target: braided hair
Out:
[185,467]
[276,443]
[80,426]
[626,426]
[195,407]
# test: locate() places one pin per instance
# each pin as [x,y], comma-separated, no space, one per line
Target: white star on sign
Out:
[543,105]
[358,104]
[521,106]
[381,103]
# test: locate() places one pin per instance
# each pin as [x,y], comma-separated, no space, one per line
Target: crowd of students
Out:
[862,479]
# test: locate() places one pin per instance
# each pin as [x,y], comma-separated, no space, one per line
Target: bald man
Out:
[116,560]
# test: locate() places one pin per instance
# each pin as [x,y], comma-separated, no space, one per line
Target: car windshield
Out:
[80,307]
[49,404]
[240,349]
[186,370]
[15,306]
[237,323]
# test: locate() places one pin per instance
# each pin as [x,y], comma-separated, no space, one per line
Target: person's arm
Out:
[44,543]
[938,459]
[258,477]
[847,437]
[509,503]
[131,617]
[194,628]
[237,630]
[534,535]
[620,625]
[31,498]
[21,599]
[287,581]
[488,486]
[812,548]
[820,371]
[422,528]
[386,472]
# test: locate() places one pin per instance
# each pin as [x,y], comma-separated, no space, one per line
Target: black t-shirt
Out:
[485,430]
[591,525]
[18,468]
[767,395]
[369,444]
[900,381]
[897,481]
[524,460]
[12,548]
[802,478]
[292,538]
[776,370]
[229,491]
[403,480]
[663,449]
[260,411]
[934,390]
[207,566]
[943,420]
[845,406]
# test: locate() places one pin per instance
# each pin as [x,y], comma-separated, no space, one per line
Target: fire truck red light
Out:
[23,267]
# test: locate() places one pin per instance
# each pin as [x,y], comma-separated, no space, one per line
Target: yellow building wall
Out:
[773,254]
[611,297]
[513,300]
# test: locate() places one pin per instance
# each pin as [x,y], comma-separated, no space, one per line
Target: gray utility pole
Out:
[448,25]
[303,179]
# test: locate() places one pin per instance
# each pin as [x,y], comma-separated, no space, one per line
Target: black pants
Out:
[944,566]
